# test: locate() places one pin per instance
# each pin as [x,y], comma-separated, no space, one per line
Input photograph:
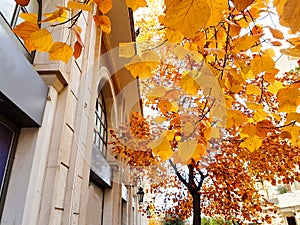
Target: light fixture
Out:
[140,195]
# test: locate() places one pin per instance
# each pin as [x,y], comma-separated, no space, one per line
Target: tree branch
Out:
[178,174]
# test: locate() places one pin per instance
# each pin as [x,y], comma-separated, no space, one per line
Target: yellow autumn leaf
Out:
[254,106]
[187,16]
[180,52]
[252,144]
[294,41]
[32,17]
[259,112]
[135,4]
[248,130]
[150,57]
[138,68]
[157,92]
[235,118]
[188,128]
[217,8]
[186,149]
[215,132]
[288,99]
[291,52]
[290,15]
[199,151]
[60,51]
[207,132]
[253,89]
[166,106]
[42,40]
[244,43]
[79,6]
[241,5]
[25,29]
[173,36]
[168,134]
[159,119]
[262,63]
[104,5]
[293,116]
[294,131]
[162,148]
[60,16]
[127,50]
[104,22]
[275,87]
[189,85]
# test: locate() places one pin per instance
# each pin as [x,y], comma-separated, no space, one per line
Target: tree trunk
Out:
[196,209]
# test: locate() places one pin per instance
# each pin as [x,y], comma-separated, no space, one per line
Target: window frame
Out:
[13,22]
[100,125]
[10,158]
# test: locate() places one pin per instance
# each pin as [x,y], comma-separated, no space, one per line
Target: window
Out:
[9,14]
[100,130]
[8,137]
[10,11]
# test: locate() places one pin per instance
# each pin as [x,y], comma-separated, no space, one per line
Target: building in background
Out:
[54,121]
[286,198]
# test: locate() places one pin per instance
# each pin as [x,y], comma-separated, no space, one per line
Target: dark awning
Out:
[23,93]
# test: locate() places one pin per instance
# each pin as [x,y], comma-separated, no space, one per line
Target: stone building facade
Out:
[56,166]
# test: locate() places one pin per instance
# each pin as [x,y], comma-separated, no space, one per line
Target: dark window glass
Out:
[100,130]
[6,139]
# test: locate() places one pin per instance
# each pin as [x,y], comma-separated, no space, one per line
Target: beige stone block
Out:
[76,195]
[75,219]
[75,77]
[80,162]
[66,145]
[60,189]
[56,218]
[71,109]
[84,129]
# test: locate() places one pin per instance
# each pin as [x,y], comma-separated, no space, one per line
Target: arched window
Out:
[100,130]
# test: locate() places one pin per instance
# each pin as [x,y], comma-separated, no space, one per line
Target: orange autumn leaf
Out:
[25,29]
[79,6]
[241,5]
[104,22]
[22,2]
[104,5]
[77,50]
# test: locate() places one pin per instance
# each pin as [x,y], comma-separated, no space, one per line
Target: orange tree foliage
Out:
[211,148]
[224,114]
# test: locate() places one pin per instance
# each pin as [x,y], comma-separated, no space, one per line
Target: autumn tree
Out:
[223,115]
[217,146]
